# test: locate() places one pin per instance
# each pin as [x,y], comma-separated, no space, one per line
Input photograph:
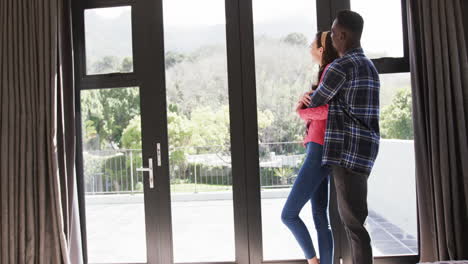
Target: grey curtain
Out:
[439,67]
[465,19]
[39,216]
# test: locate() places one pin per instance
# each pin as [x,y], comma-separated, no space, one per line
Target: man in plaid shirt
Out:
[351,88]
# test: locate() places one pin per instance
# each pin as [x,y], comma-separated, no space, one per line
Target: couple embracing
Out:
[342,140]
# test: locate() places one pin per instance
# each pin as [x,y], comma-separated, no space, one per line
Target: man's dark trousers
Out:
[351,191]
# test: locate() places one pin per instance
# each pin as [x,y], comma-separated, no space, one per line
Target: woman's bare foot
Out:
[313,260]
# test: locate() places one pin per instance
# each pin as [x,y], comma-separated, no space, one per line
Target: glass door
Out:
[199,204]
[162,164]
[283,33]
[120,131]
[199,131]
[111,142]
[114,186]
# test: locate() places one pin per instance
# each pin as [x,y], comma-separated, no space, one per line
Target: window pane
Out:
[392,218]
[115,217]
[199,125]
[284,70]
[383,30]
[396,120]
[108,36]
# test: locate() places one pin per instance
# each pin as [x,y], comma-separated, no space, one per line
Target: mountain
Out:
[111,36]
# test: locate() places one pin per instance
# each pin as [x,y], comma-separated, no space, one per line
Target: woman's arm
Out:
[316,113]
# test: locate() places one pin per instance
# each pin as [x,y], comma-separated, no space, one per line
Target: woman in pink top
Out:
[312,180]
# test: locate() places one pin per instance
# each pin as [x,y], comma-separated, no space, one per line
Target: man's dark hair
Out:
[352,21]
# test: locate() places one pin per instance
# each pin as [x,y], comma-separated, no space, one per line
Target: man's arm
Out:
[332,82]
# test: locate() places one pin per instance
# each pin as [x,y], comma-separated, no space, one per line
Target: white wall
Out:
[392,188]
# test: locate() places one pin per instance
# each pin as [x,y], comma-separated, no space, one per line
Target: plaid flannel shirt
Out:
[351,88]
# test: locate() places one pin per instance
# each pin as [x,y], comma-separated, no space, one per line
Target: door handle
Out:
[150,172]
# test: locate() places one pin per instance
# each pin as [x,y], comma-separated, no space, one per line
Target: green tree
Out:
[265,120]
[106,64]
[396,119]
[284,71]
[106,113]
[119,106]
[131,136]
[173,58]
[93,123]
[127,65]
[180,134]
[131,140]
[210,126]
[298,39]
[284,173]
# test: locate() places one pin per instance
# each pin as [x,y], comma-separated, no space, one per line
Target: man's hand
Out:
[299,106]
[305,99]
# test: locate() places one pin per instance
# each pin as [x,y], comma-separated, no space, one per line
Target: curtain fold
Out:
[39,212]
[439,66]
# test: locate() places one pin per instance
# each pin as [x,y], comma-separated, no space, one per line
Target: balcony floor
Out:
[203,231]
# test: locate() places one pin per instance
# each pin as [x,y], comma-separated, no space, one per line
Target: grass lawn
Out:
[190,188]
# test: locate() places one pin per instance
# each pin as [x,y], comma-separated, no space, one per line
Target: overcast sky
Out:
[382,30]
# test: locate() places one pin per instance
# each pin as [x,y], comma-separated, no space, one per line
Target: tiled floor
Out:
[204,231]
[388,238]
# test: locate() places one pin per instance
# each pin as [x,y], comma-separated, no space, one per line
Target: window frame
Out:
[240,39]
[106,80]
[384,65]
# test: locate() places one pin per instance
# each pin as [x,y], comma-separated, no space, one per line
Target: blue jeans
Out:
[311,184]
